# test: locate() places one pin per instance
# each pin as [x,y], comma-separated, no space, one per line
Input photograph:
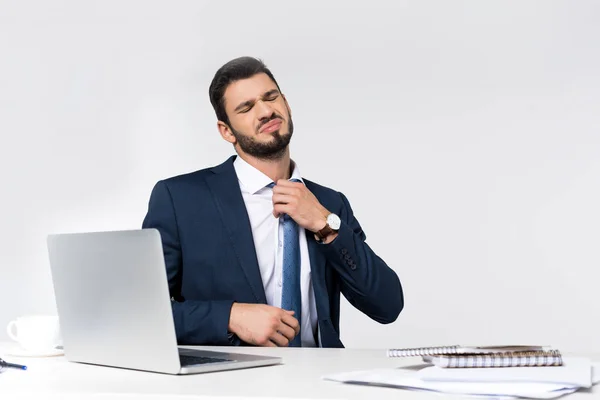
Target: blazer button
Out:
[344,251]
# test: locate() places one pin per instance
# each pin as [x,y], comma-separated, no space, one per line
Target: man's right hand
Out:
[263,325]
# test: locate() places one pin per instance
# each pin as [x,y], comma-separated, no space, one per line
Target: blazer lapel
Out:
[317,266]
[230,203]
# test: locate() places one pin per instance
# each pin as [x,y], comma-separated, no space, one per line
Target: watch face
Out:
[334,221]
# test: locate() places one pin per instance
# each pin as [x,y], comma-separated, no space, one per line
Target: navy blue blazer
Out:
[211,260]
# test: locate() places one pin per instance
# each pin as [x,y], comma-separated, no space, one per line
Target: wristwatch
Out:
[332,226]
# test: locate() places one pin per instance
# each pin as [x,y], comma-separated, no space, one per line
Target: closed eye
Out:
[246,106]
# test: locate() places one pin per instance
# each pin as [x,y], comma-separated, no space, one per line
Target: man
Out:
[255,254]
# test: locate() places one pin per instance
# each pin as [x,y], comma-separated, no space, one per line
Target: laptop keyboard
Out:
[186,361]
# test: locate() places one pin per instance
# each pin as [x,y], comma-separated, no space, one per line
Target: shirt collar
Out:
[252,180]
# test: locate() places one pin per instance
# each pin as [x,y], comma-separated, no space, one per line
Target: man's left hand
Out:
[295,200]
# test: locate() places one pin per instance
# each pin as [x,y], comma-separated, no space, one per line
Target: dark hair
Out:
[234,70]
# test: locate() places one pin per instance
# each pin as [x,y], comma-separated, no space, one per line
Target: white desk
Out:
[299,377]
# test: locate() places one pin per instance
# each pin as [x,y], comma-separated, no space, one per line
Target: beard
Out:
[272,150]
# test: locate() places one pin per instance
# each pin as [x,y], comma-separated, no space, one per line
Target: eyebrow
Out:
[251,102]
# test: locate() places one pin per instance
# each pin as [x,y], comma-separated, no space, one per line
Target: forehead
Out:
[247,89]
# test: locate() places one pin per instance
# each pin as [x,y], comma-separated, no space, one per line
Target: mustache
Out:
[265,121]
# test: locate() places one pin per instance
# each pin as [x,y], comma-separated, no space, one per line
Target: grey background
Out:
[464,133]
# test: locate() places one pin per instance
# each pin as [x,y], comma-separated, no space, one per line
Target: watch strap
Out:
[323,233]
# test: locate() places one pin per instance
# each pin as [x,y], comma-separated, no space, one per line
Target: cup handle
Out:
[9,330]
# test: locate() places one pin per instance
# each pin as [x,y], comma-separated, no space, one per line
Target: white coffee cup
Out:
[35,333]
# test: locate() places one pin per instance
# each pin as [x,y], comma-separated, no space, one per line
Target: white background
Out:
[466,135]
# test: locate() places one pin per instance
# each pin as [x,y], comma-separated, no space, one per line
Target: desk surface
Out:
[299,377]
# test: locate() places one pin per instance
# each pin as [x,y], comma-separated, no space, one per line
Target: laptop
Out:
[114,307]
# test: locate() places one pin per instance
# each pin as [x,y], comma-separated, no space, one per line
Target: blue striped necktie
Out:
[291,297]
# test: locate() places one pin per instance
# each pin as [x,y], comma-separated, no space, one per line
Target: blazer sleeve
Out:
[367,281]
[196,322]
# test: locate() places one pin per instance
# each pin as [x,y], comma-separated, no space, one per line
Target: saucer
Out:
[18,351]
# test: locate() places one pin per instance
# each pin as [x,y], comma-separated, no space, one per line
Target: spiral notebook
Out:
[457,349]
[539,358]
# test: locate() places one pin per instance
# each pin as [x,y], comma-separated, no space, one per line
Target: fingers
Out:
[282,204]
[279,340]
[284,199]
[291,190]
[290,321]
[285,183]
[287,331]
[279,209]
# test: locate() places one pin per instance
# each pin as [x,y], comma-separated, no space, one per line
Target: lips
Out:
[271,126]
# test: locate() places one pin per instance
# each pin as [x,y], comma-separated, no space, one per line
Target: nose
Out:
[263,110]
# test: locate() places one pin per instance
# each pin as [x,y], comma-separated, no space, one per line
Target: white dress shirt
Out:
[267,232]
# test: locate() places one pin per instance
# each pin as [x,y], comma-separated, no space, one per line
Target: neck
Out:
[276,169]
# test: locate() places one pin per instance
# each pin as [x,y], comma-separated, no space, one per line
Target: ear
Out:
[225,132]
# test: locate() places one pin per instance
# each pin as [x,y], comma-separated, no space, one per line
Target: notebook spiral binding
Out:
[423,351]
[505,359]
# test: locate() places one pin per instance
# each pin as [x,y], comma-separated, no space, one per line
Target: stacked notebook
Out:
[478,371]
[484,356]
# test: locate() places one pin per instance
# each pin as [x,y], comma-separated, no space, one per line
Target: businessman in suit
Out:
[256,254]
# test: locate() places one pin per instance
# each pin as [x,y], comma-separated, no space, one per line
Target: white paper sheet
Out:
[409,379]
[131,396]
